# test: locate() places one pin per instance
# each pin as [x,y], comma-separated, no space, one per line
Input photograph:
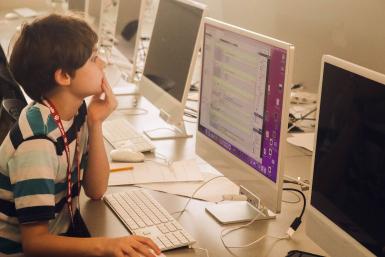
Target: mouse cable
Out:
[227,231]
[194,193]
[293,227]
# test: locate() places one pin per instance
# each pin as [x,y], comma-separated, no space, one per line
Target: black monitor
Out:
[347,208]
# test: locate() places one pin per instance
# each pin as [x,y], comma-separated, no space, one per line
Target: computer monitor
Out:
[243,110]
[346,216]
[127,34]
[170,61]
[77,5]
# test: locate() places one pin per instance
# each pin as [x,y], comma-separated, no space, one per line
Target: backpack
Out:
[12,100]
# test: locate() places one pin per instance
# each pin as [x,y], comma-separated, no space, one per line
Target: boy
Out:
[55,139]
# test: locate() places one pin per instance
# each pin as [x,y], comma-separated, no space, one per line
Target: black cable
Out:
[297,221]
[303,197]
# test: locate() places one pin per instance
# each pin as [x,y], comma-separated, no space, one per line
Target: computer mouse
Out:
[126,155]
[160,255]
[11,16]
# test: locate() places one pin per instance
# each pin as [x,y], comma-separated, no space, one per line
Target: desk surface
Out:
[101,221]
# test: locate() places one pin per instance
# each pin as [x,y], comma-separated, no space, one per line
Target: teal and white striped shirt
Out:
[33,168]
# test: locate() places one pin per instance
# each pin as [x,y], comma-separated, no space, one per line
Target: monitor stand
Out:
[241,211]
[176,131]
[238,211]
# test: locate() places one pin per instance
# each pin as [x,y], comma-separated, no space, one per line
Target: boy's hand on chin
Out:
[100,107]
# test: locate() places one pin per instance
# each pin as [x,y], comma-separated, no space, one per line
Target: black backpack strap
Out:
[17,138]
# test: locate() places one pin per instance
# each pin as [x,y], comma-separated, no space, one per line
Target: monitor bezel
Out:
[318,227]
[205,146]
[172,110]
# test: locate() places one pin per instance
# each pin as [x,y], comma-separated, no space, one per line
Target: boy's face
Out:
[88,78]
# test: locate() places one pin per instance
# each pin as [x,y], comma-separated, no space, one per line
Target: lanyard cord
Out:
[63,133]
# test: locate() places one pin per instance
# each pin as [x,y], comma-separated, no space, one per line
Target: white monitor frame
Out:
[269,192]
[172,110]
[318,227]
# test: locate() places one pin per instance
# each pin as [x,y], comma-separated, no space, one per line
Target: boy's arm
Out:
[95,179]
[37,241]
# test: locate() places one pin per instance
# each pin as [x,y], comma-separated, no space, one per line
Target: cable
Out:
[193,194]
[297,221]
[293,202]
[249,244]
[273,245]
[293,227]
[305,185]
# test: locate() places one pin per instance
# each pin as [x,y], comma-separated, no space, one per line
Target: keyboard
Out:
[121,134]
[144,216]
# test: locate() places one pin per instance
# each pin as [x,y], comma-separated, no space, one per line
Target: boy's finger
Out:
[142,249]
[105,82]
[107,88]
[147,241]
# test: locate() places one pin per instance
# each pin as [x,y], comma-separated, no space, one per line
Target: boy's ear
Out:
[62,78]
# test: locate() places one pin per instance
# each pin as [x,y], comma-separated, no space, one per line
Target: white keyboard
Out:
[120,133]
[144,216]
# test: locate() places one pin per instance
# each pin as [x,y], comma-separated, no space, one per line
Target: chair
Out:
[11,97]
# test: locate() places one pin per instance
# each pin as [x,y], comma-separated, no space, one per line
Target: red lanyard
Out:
[63,133]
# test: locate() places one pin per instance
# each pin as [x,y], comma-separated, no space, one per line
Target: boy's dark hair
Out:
[46,45]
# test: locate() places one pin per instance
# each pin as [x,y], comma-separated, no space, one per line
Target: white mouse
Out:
[11,16]
[152,251]
[126,155]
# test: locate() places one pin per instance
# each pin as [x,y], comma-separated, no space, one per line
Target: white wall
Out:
[350,29]
[35,4]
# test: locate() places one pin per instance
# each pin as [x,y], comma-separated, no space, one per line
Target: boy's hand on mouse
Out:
[133,246]
[99,108]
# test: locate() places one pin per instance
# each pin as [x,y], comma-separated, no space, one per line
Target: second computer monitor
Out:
[346,215]
[171,57]
[243,108]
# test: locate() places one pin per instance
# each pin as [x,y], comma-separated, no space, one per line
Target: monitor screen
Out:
[349,164]
[172,45]
[243,107]
[127,26]
[242,95]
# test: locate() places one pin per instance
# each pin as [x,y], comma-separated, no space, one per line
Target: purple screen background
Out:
[272,115]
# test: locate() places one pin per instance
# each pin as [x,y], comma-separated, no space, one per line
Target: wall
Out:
[349,29]
[35,4]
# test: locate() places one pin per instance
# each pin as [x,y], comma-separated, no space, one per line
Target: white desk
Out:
[101,221]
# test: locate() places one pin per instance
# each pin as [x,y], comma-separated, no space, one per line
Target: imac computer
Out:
[127,35]
[243,115]
[170,62]
[346,216]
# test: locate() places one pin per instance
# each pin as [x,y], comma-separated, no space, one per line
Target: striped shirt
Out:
[33,167]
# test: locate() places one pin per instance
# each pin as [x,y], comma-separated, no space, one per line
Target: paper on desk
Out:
[305,140]
[211,192]
[124,88]
[150,172]
[25,12]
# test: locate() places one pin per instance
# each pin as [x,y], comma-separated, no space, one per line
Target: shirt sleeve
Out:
[32,172]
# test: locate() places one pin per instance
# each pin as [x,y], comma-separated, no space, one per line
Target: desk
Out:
[101,221]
